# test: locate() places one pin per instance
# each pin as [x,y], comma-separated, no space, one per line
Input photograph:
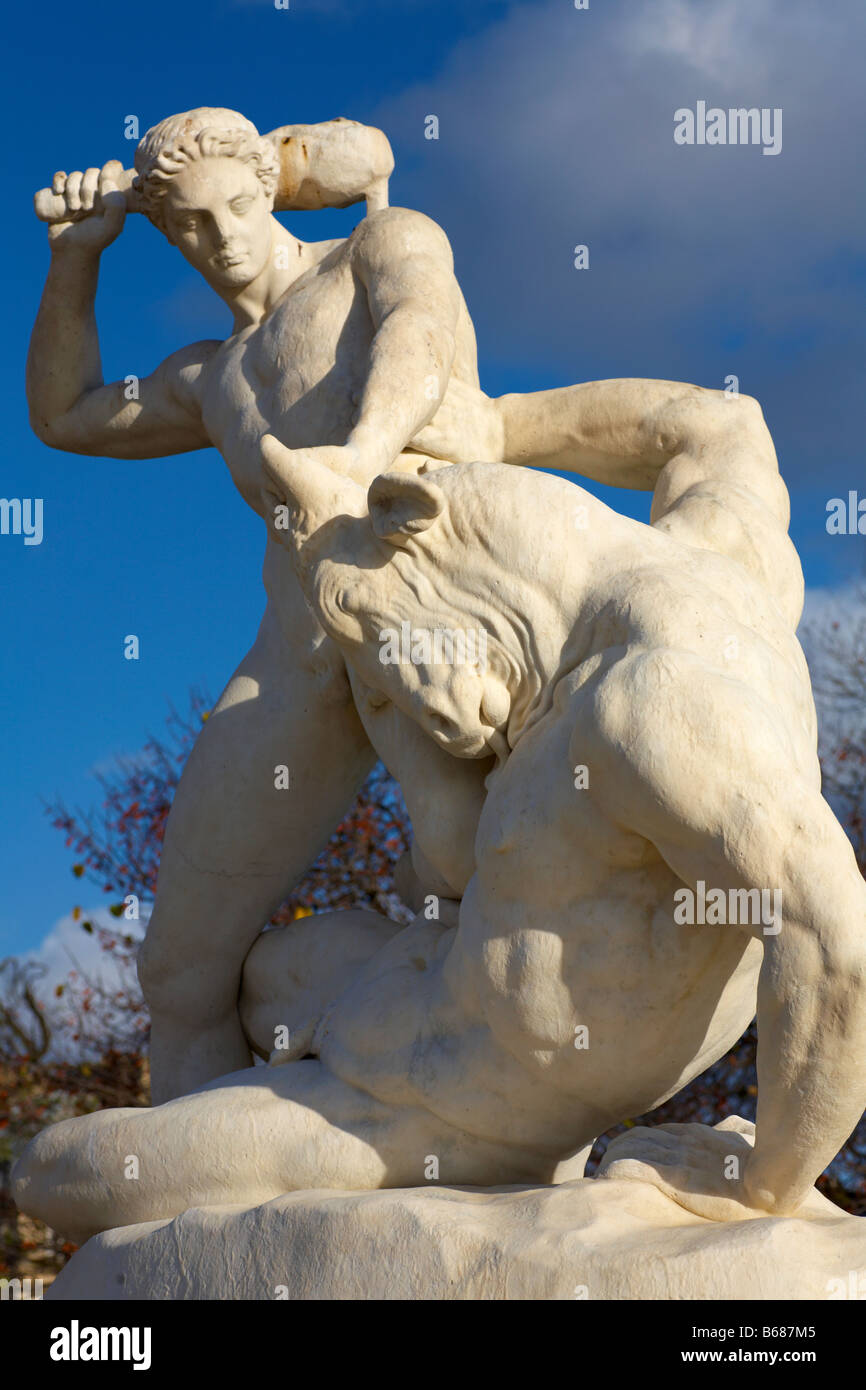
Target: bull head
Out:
[336,531]
[364,570]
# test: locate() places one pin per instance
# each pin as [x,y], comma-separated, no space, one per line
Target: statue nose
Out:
[222,234]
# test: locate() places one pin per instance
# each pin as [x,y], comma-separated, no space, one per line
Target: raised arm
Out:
[70,407]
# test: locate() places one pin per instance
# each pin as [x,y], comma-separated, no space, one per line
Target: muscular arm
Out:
[625,432]
[404,260]
[71,408]
[711,784]
[812,985]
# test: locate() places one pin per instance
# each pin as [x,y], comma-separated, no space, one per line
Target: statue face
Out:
[428,663]
[393,587]
[449,703]
[219,217]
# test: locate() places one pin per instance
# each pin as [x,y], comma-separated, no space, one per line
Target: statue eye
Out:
[241,205]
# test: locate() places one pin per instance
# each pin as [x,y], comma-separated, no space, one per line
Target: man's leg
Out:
[235,843]
[246,1139]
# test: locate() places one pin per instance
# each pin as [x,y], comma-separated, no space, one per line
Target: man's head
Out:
[207,179]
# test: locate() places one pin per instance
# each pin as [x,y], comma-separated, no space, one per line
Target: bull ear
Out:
[402,504]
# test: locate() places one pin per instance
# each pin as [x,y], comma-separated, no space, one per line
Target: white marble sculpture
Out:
[620,846]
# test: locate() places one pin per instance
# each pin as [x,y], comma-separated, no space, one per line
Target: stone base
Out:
[592,1238]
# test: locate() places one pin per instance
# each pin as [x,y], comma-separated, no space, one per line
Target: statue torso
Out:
[300,373]
[296,375]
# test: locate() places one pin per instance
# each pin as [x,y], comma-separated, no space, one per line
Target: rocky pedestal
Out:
[588,1239]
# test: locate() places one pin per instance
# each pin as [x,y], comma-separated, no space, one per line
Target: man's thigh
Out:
[272,772]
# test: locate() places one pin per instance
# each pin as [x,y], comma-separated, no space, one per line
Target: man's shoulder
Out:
[184,371]
[398,232]
[190,360]
[629,697]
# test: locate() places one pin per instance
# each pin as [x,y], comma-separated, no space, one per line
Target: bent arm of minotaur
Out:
[624,432]
[712,786]
[709,451]
[707,456]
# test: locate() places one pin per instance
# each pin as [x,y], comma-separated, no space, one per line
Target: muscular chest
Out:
[297,375]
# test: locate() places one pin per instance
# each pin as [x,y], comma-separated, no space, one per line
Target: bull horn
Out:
[313,492]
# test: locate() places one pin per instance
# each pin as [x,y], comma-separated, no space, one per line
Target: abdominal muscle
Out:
[399,1034]
[479,1024]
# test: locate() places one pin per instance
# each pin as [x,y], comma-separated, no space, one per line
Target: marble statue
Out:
[603,730]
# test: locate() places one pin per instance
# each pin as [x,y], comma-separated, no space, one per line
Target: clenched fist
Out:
[85,210]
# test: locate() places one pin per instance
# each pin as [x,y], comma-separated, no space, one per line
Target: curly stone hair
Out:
[206,132]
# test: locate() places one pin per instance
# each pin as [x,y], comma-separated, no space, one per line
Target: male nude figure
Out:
[333,349]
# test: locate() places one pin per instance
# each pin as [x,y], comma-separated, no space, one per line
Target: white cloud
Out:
[712,39]
[556,128]
[67,948]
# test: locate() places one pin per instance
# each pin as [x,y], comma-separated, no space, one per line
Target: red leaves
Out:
[118,847]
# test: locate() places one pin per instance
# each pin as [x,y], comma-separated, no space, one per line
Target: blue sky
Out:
[556,128]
